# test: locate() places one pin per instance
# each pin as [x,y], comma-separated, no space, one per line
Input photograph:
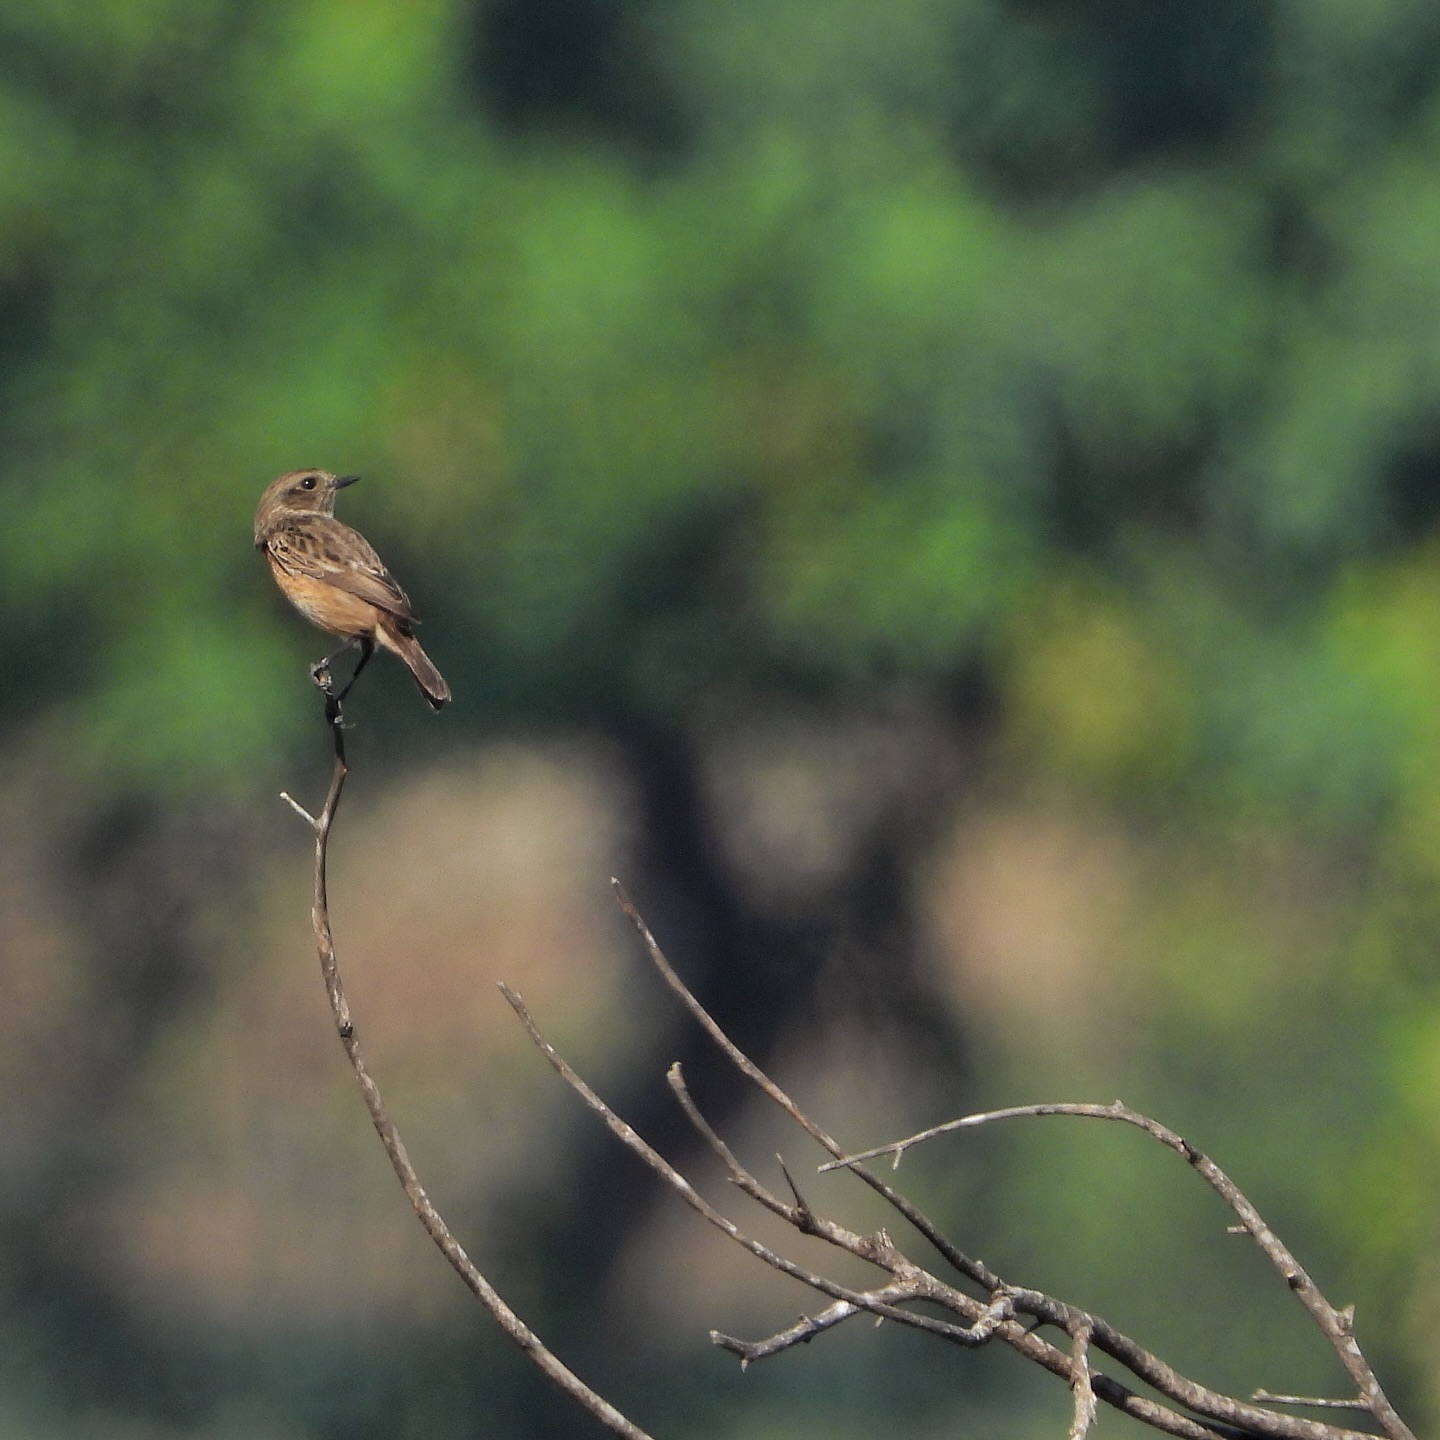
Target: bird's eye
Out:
[308,483]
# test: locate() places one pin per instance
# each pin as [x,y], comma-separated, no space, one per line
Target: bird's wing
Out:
[324,548]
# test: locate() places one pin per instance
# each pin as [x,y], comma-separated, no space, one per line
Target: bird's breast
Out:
[323,604]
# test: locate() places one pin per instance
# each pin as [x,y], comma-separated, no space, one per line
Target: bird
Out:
[333,577]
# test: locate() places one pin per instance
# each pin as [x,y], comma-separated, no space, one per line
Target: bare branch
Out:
[1081,1383]
[924,1286]
[802,1205]
[1316,1401]
[877,1249]
[420,1202]
[298,808]
[1224,1414]
[675,1078]
[809,1326]
[799,1215]
[801,1333]
[996,1317]
[966,1265]
[1336,1324]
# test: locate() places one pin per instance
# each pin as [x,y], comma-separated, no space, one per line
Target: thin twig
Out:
[298,808]
[801,1333]
[1318,1402]
[877,1249]
[420,1202]
[798,1214]
[923,1286]
[967,1265]
[1337,1325]
[809,1326]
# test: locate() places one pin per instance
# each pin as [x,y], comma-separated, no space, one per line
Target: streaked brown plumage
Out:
[333,577]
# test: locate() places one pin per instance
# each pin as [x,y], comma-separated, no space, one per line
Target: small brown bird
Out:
[333,577]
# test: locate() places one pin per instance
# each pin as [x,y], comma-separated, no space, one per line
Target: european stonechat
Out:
[333,577]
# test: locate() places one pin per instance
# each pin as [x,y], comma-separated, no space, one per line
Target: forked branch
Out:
[1000,1311]
[1003,1311]
[1337,1325]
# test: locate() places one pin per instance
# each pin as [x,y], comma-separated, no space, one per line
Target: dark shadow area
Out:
[578,68]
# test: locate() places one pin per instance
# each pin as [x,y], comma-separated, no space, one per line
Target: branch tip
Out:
[806,1213]
[300,810]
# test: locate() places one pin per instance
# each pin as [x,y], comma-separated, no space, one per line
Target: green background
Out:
[941,495]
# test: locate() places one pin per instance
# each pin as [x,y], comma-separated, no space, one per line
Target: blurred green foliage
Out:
[789,348]
[810,402]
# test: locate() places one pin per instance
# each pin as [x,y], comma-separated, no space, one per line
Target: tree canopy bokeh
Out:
[1013,424]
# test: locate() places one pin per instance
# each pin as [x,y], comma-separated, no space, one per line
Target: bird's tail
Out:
[427,677]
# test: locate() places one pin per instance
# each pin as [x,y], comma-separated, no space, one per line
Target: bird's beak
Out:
[341,481]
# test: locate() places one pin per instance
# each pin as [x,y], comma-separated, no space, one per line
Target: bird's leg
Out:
[320,670]
[367,649]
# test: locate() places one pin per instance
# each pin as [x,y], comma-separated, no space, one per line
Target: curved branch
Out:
[405,1172]
[873,1301]
[1223,1414]
[1336,1325]
[968,1265]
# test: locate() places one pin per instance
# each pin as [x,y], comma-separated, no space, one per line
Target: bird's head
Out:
[298,492]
